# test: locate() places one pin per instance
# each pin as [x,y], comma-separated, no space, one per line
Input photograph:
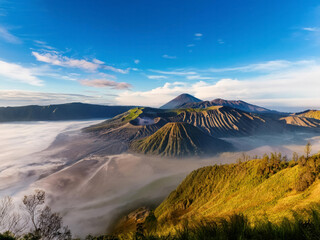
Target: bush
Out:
[305,179]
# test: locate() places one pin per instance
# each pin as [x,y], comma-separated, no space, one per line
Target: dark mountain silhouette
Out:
[68,111]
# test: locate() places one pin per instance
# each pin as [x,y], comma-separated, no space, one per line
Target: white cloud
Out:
[311,29]
[198,34]
[157,77]
[154,97]
[136,61]
[198,77]
[15,72]
[191,45]
[8,37]
[97,61]
[168,57]
[289,88]
[63,61]
[105,83]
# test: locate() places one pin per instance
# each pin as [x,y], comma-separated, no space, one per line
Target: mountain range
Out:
[187,101]
[184,115]
[78,111]
[68,111]
[181,132]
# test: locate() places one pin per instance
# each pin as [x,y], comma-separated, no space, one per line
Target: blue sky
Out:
[146,52]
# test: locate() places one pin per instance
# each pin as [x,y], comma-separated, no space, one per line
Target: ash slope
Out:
[302,121]
[180,140]
[216,121]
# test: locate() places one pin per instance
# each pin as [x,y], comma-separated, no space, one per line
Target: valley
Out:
[96,172]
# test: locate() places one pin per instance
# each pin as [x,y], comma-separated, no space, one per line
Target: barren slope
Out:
[178,140]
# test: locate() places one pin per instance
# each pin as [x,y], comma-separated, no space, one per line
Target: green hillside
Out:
[311,114]
[179,140]
[271,193]
[268,187]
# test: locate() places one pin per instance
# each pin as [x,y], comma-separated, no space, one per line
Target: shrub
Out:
[306,178]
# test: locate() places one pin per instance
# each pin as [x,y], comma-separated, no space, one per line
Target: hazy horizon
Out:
[157,50]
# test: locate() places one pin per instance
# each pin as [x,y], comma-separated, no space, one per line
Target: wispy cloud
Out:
[198,77]
[168,56]
[136,61]
[177,72]
[220,41]
[43,44]
[190,45]
[311,29]
[198,36]
[8,37]
[264,66]
[105,83]
[16,72]
[267,67]
[113,69]
[63,61]
[157,77]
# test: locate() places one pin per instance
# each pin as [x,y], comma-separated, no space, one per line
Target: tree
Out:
[47,224]
[11,222]
[307,149]
[295,156]
[32,204]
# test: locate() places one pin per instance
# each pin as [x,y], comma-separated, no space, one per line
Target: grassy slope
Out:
[219,191]
[117,121]
[311,114]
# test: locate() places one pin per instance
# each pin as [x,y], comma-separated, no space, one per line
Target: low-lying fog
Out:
[90,188]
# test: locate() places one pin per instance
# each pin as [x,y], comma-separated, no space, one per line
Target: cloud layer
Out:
[295,86]
[22,98]
[15,72]
[105,83]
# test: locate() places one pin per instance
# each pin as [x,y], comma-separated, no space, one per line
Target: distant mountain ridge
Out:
[309,114]
[302,121]
[188,101]
[238,104]
[68,111]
